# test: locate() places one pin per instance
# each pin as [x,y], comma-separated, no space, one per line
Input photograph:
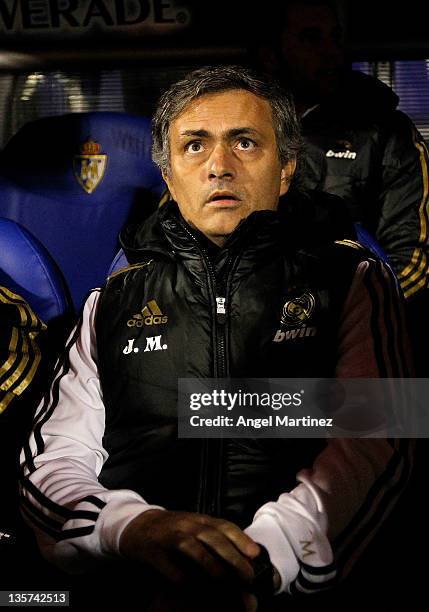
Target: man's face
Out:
[312,52]
[224,162]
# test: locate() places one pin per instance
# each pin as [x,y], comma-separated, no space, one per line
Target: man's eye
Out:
[244,144]
[194,147]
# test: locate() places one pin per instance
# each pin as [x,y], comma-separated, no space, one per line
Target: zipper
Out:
[212,448]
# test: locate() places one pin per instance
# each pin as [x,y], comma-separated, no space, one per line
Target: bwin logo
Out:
[291,334]
[153,343]
[342,154]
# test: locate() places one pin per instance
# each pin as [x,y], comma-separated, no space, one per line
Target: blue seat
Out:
[73,181]
[368,241]
[120,261]
[26,268]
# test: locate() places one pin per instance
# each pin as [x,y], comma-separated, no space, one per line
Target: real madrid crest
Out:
[298,310]
[90,165]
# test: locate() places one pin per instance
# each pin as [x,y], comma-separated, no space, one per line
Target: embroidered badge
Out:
[298,310]
[89,167]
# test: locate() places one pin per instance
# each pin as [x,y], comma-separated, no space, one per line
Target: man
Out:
[105,476]
[358,146]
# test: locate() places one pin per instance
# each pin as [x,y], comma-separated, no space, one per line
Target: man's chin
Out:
[218,237]
[217,227]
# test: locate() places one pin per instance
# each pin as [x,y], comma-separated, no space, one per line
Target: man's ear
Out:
[286,176]
[169,184]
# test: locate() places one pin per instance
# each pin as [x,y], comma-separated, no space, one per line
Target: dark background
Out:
[216,29]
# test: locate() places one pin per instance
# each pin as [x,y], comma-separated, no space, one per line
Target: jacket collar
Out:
[166,232]
[302,220]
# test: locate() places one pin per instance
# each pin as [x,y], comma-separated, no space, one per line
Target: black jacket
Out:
[270,259]
[361,148]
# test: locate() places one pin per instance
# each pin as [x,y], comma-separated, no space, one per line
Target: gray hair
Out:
[209,80]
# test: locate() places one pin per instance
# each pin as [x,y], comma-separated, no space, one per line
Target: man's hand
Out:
[276,579]
[174,543]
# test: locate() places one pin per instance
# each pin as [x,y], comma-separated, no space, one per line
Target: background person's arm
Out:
[403,220]
[403,225]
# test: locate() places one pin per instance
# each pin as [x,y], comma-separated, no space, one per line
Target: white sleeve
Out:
[318,530]
[77,521]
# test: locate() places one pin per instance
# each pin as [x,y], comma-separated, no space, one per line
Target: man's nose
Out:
[221,163]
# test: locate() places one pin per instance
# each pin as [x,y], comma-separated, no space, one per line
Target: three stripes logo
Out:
[20,356]
[150,315]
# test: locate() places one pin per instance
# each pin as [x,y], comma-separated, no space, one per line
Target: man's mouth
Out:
[223,197]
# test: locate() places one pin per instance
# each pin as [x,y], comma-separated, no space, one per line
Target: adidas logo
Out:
[343,154]
[150,315]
